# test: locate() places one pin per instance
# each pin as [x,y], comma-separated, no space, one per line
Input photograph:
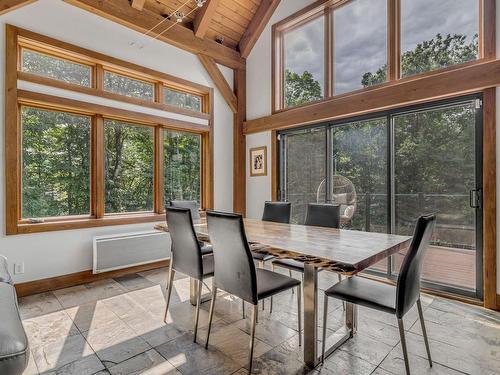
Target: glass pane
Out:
[359,176]
[127,86]
[359,47]
[182,163]
[434,172]
[55,164]
[53,67]
[304,63]
[182,99]
[129,156]
[305,168]
[436,34]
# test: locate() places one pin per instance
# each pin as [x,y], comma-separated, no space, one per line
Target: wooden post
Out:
[239,144]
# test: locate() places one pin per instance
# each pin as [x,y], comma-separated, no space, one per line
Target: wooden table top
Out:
[339,250]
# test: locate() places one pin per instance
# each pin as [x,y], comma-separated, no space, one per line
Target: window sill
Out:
[79,223]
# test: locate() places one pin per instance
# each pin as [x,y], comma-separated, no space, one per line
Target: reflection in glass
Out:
[182,99]
[131,87]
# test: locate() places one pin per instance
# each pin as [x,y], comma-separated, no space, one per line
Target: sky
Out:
[360,29]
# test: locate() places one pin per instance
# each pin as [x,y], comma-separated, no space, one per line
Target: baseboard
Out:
[78,278]
[498,302]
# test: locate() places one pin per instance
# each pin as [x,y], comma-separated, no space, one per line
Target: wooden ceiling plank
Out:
[138,4]
[219,81]
[204,17]
[119,11]
[257,25]
[10,5]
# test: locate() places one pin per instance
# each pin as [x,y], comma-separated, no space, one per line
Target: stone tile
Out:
[367,348]
[232,341]
[85,366]
[150,363]
[409,319]
[91,315]
[31,368]
[50,327]
[227,307]
[341,362]
[182,317]
[38,304]
[385,333]
[92,292]
[68,352]
[115,343]
[381,371]
[191,358]
[134,282]
[124,305]
[278,362]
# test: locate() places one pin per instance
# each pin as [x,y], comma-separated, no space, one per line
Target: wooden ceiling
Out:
[230,18]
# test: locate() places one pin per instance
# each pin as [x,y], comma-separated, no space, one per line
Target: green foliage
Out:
[128,86]
[182,99]
[301,89]
[56,163]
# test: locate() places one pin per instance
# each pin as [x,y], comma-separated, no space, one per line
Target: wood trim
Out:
[65,281]
[208,152]
[394,41]
[159,180]
[274,166]
[239,144]
[119,11]
[458,80]
[204,17]
[219,82]
[489,199]
[498,302]
[99,176]
[10,5]
[257,25]
[35,98]
[138,4]
[487,40]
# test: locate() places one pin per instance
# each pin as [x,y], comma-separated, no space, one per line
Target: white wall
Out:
[57,253]
[259,104]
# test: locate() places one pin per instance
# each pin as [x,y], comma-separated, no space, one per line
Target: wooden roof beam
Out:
[203,18]
[121,12]
[257,25]
[10,5]
[220,82]
[138,4]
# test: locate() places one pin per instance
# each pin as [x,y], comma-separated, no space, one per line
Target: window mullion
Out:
[98,166]
[328,52]
[159,183]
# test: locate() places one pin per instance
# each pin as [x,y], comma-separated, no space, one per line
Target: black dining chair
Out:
[317,214]
[187,255]
[396,300]
[235,271]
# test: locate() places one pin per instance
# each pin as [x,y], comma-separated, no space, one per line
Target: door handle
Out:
[475,198]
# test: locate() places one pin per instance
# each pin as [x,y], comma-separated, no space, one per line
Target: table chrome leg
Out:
[351,318]
[310,286]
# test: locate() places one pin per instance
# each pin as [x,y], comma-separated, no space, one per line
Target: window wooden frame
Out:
[326,7]
[15,98]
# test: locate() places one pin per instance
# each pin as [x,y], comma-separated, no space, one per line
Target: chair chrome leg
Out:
[271,307]
[198,303]
[424,331]
[170,284]
[325,315]
[290,274]
[403,345]
[299,311]
[211,314]
[252,336]
[261,265]
[243,308]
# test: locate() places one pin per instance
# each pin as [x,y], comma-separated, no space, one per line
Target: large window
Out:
[182,165]
[56,163]
[184,100]
[333,49]
[132,87]
[129,167]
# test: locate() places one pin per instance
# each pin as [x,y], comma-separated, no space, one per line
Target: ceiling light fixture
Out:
[199,3]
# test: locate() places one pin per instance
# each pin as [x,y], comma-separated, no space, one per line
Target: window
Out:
[129,165]
[56,68]
[303,65]
[437,34]
[182,166]
[359,47]
[55,163]
[131,87]
[182,99]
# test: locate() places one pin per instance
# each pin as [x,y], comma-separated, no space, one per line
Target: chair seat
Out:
[365,292]
[270,283]
[208,265]
[206,248]
[262,257]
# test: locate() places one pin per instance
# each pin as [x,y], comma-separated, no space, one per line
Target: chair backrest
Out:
[323,215]
[278,212]
[408,287]
[186,252]
[234,268]
[192,205]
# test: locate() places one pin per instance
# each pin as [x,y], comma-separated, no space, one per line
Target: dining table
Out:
[346,252]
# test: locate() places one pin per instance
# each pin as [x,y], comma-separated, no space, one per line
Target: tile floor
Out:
[116,327]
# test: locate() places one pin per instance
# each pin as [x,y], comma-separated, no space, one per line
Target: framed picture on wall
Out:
[258,161]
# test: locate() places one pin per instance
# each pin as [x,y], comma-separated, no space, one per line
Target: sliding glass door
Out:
[386,170]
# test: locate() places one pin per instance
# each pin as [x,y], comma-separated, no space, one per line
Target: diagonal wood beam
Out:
[10,5]
[257,25]
[121,12]
[220,82]
[138,4]
[203,18]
